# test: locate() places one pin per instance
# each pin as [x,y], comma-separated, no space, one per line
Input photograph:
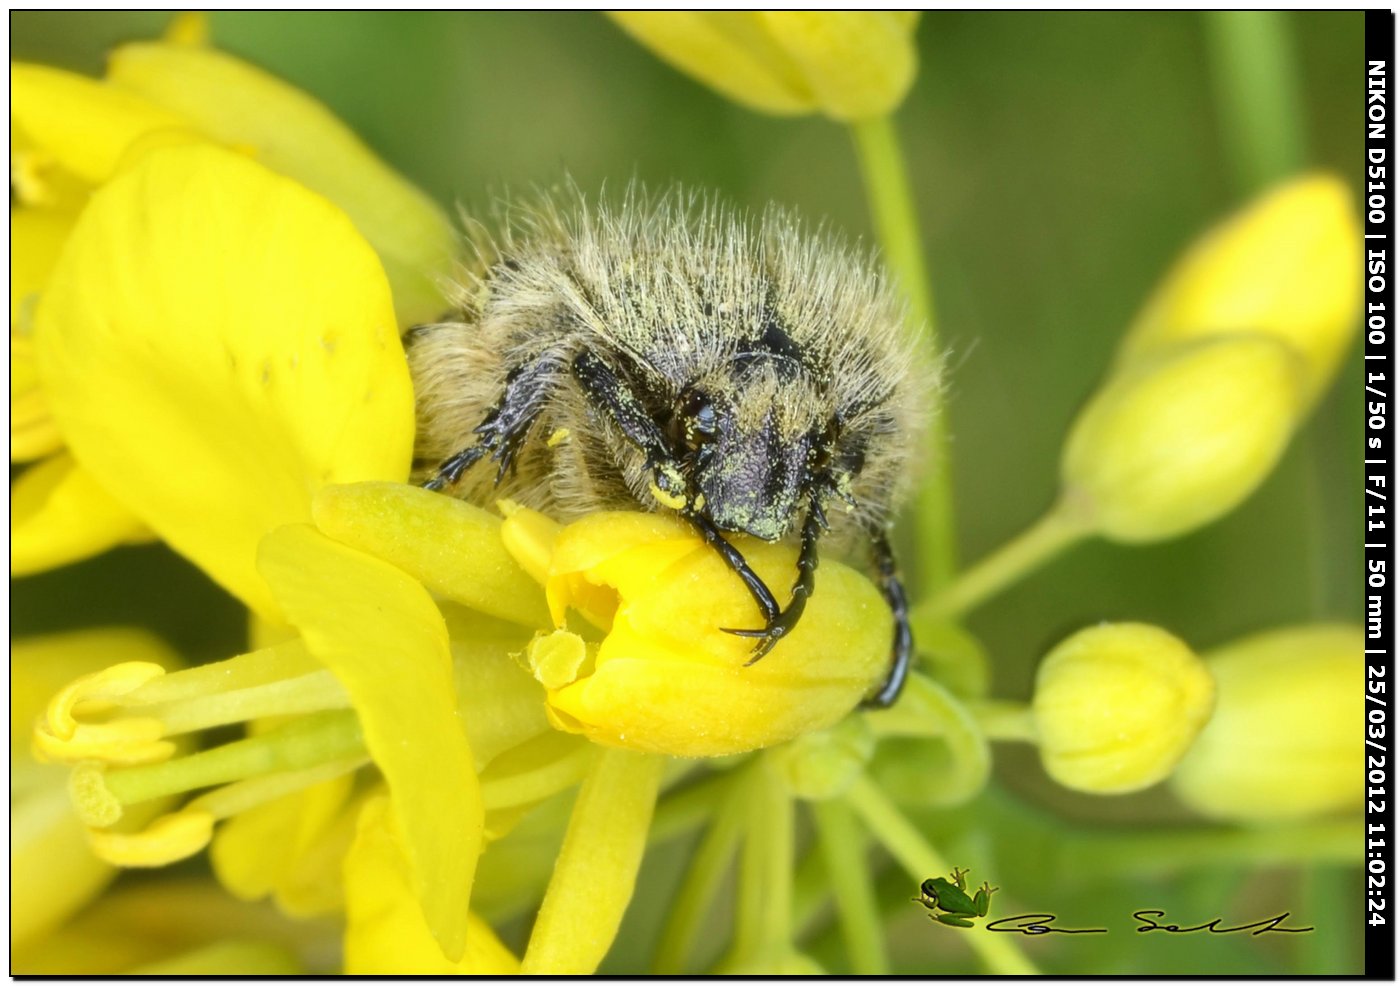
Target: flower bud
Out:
[1117,705]
[848,65]
[667,678]
[1285,267]
[1286,738]
[819,766]
[1180,439]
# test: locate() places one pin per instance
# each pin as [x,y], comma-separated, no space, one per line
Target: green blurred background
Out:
[1060,162]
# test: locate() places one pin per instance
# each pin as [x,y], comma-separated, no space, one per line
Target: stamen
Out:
[122,714]
[234,799]
[59,736]
[259,667]
[307,742]
[169,838]
[96,692]
[315,692]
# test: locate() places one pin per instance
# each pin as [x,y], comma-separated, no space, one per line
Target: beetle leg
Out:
[506,424]
[762,595]
[780,624]
[902,647]
[611,394]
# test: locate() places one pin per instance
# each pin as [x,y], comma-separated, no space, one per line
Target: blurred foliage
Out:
[1060,162]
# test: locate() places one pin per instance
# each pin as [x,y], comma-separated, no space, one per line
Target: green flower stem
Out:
[1006,721]
[689,809]
[697,893]
[896,225]
[763,924]
[810,889]
[298,745]
[843,845]
[892,207]
[1258,90]
[1013,561]
[921,861]
[1334,841]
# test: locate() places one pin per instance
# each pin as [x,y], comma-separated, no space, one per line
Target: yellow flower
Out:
[1285,741]
[849,66]
[1116,706]
[215,344]
[72,136]
[72,128]
[1286,267]
[386,933]
[1178,440]
[666,678]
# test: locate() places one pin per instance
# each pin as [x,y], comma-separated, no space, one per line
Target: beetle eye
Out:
[697,417]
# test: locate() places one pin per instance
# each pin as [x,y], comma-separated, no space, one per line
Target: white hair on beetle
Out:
[791,331]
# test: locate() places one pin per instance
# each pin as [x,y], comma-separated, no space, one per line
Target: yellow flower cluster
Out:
[211,277]
[176,122]
[213,339]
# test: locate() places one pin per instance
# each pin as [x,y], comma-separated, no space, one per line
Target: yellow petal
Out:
[33,433]
[1283,743]
[858,65]
[36,237]
[293,134]
[52,870]
[452,547]
[190,27]
[257,850]
[848,65]
[385,933]
[597,867]
[667,679]
[1286,267]
[60,514]
[217,343]
[379,631]
[731,52]
[84,125]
